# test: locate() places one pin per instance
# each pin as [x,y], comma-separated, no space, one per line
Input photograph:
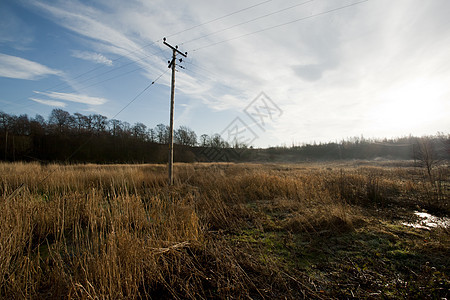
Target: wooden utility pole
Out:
[6,145]
[172,65]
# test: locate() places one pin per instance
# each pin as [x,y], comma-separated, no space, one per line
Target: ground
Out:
[308,230]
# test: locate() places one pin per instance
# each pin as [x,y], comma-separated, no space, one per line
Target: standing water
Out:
[428,221]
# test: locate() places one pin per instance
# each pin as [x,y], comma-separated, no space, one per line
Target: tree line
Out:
[93,138]
[405,148]
[64,137]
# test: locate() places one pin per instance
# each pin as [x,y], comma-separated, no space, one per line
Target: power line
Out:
[65,85]
[92,70]
[123,108]
[157,41]
[137,96]
[111,78]
[249,21]
[199,67]
[96,76]
[96,83]
[85,87]
[120,67]
[220,18]
[113,70]
[140,49]
[114,60]
[280,25]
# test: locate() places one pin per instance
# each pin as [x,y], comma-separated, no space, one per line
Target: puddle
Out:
[428,221]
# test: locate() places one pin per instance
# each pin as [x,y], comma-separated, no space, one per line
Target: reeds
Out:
[118,231]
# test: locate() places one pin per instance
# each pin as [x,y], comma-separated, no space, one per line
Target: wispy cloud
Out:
[20,68]
[49,102]
[74,98]
[103,33]
[326,72]
[97,58]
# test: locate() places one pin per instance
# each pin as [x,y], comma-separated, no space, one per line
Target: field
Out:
[323,230]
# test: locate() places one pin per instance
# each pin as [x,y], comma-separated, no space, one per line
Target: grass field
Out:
[324,230]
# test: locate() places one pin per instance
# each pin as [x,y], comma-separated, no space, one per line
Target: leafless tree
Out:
[60,119]
[162,133]
[140,131]
[185,136]
[426,154]
[204,140]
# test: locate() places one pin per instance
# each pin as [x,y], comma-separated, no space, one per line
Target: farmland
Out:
[224,230]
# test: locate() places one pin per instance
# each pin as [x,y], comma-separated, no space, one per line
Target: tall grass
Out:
[118,231]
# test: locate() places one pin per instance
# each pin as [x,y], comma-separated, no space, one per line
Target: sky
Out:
[267,73]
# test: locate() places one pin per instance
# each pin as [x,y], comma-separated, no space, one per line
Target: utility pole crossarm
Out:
[174,48]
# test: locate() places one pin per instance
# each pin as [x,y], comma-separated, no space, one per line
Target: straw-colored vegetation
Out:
[222,231]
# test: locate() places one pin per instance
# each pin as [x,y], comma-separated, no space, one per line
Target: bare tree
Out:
[162,133]
[37,125]
[81,122]
[218,142]
[185,136]
[61,119]
[205,140]
[6,122]
[115,127]
[22,125]
[139,130]
[151,135]
[426,154]
[99,123]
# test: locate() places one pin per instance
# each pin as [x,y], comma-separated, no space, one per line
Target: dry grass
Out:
[223,230]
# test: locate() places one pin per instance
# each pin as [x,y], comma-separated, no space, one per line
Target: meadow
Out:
[223,230]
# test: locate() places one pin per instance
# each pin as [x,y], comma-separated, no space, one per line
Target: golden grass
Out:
[118,231]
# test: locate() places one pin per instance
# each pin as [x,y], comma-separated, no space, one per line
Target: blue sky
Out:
[378,68]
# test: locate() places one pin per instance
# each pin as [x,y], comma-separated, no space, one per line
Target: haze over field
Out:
[338,69]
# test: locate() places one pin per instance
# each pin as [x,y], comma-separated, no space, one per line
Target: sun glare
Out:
[409,107]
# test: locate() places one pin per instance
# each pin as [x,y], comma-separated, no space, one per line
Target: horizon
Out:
[73,125]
